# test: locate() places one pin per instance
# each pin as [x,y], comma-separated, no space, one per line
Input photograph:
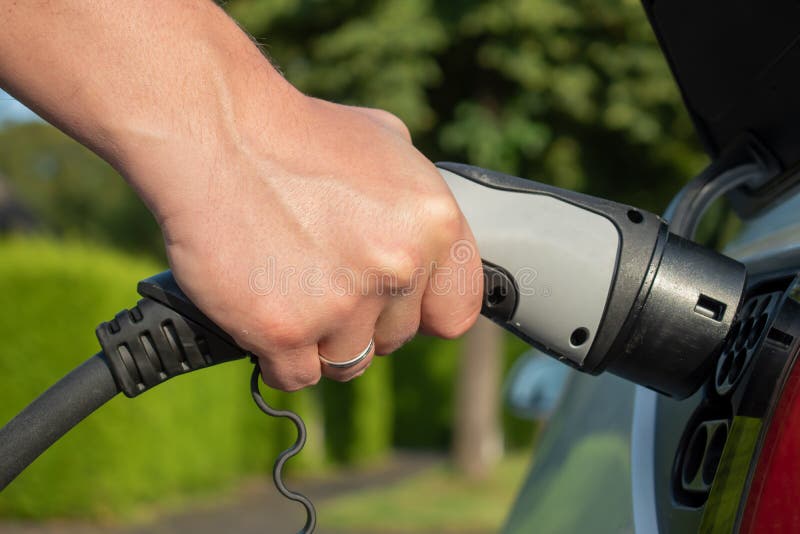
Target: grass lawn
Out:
[435,500]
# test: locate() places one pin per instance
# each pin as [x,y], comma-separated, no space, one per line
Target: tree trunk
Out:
[477,436]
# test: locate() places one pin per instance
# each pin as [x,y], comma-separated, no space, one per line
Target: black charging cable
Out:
[277,470]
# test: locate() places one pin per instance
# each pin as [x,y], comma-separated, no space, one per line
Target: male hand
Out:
[337,233]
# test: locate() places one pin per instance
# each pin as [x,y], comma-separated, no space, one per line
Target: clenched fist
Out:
[335,232]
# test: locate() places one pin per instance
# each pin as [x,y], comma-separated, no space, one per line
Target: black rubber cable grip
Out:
[163,336]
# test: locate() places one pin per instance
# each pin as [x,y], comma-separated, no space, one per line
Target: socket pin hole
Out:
[732,335]
[714,453]
[694,455]
[635,216]
[748,308]
[758,329]
[496,295]
[745,333]
[579,337]
[762,306]
[724,368]
[737,366]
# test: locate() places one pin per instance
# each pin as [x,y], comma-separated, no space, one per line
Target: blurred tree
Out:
[73,192]
[477,434]
[574,92]
[14,215]
[570,92]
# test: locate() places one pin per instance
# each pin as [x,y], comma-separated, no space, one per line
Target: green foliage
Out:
[575,93]
[191,435]
[74,192]
[378,54]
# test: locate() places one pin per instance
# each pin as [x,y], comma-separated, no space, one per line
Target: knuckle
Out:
[393,122]
[388,346]
[403,263]
[291,379]
[303,380]
[398,268]
[283,334]
[449,331]
[453,329]
[290,384]
[343,307]
[402,129]
[443,213]
[342,375]
[387,343]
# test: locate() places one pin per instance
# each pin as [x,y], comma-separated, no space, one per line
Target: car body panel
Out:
[581,475]
[607,455]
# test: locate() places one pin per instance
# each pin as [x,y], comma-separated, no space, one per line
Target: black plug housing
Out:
[678,323]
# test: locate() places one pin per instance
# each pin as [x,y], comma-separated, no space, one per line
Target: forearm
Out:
[140,80]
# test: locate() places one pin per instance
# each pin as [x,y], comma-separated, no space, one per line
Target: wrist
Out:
[231,104]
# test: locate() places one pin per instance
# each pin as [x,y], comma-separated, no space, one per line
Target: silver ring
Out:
[352,361]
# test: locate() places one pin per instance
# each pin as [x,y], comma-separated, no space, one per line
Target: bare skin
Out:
[251,181]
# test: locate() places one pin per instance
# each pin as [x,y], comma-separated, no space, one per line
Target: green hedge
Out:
[191,435]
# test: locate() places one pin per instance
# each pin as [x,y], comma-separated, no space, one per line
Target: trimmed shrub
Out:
[193,434]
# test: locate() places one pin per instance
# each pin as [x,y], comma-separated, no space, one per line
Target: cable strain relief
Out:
[151,343]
